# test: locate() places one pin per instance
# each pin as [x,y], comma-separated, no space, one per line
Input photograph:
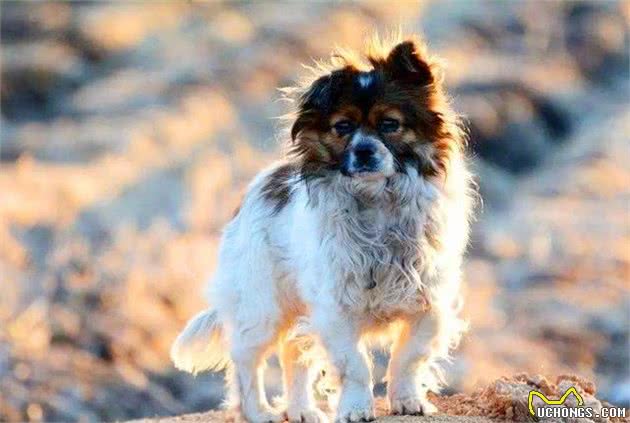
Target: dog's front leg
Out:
[341,338]
[298,384]
[409,374]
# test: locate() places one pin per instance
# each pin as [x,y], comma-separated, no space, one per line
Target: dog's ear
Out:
[317,100]
[406,63]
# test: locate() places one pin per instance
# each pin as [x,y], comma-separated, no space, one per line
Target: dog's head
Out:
[371,120]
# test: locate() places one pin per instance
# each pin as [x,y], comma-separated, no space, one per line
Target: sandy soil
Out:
[216,417]
[229,417]
[505,399]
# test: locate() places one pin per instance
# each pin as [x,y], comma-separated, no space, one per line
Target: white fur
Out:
[198,347]
[298,280]
[365,80]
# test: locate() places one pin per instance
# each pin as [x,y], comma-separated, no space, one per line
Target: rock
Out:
[120,92]
[117,28]
[20,20]
[511,125]
[67,140]
[35,75]
[597,38]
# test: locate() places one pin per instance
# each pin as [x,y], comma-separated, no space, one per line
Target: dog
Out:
[358,235]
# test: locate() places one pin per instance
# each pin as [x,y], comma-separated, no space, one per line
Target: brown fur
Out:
[277,189]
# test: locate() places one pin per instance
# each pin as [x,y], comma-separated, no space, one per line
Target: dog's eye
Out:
[344,127]
[387,126]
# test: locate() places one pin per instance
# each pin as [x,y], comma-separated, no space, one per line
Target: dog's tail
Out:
[200,345]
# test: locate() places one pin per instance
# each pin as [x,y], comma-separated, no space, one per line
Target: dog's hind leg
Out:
[253,323]
[249,351]
[299,376]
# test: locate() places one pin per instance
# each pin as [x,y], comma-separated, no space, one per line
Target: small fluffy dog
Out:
[358,235]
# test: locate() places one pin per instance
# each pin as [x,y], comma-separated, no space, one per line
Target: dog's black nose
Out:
[364,152]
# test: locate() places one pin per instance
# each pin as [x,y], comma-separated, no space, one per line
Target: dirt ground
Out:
[232,417]
[505,399]
[221,417]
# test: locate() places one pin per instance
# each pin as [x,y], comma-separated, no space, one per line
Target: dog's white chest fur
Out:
[376,245]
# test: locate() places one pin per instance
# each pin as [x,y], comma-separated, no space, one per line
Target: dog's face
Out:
[372,123]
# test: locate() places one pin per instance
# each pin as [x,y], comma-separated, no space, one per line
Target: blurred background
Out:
[129,130]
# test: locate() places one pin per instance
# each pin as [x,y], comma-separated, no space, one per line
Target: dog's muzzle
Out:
[364,155]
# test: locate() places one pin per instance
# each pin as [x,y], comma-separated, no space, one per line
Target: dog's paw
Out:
[359,414]
[414,405]
[309,415]
[355,408]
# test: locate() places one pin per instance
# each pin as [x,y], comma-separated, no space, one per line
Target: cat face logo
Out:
[532,394]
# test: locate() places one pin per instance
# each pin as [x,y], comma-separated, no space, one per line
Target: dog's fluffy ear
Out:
[317,99]
[406,63]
